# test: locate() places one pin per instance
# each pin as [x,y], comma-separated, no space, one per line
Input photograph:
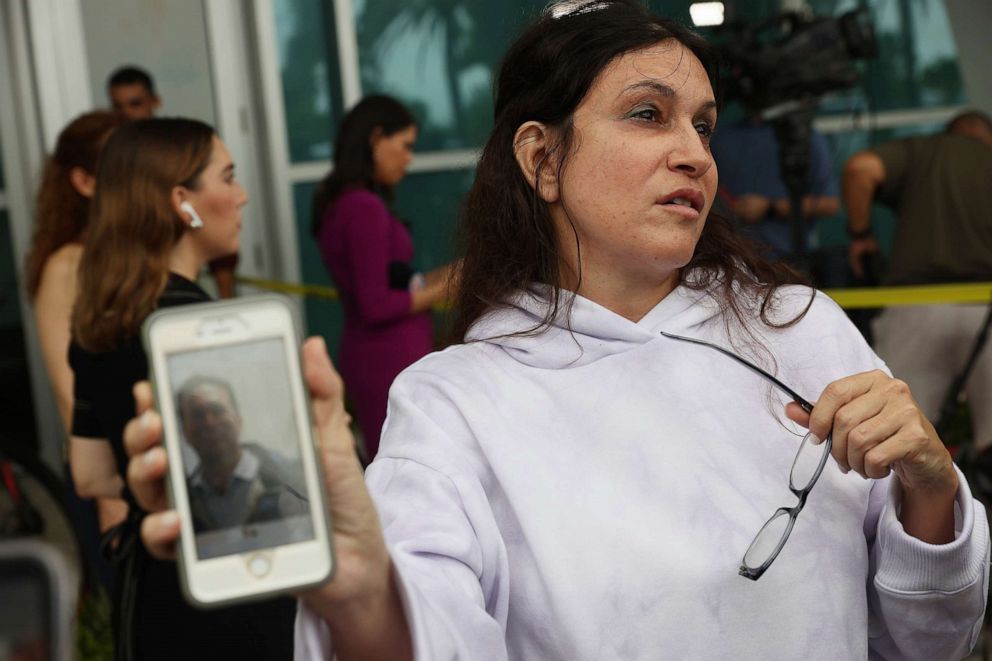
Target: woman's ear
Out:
[178,196]
[82,181]
[375,136]
[533,150]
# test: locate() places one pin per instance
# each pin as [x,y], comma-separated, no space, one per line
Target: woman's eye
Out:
[705,129]
[646,114]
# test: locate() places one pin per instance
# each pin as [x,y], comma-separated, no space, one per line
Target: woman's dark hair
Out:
[61,212]
[353,162]
[507,238]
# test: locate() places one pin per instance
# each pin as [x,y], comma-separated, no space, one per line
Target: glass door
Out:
[19,427]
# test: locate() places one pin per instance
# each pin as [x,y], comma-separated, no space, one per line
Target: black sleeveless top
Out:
[150,614]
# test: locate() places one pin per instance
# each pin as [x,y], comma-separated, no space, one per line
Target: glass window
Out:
[917,61]
[430,202]
[311,79]
[169,40]
[439,57]
[324,316]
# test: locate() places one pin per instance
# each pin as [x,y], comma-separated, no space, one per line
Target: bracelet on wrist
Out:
[417,282]
[859,234]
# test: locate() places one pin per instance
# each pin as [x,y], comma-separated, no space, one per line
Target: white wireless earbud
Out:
[195,222]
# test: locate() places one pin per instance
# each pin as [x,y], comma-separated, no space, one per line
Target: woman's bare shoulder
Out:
[63,263]
[58,277]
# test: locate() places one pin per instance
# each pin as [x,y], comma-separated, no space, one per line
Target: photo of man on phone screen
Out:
[241,487]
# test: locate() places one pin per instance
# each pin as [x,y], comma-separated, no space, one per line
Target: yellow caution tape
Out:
[882,297]
[854,298]
[317,291]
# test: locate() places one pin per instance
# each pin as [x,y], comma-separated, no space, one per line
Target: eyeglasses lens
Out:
[767,540]
[808,462]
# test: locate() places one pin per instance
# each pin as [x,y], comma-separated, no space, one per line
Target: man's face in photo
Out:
[211,422]
[133,101]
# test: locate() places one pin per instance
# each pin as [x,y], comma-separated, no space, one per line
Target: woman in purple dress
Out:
[368,251]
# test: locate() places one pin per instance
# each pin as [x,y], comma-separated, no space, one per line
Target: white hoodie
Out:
[588,493]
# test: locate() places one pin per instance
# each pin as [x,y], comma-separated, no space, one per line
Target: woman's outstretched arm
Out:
[361,604]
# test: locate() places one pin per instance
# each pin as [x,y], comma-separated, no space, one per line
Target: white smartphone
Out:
[244,473]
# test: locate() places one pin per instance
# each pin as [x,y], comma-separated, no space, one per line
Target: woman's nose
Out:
[691,155]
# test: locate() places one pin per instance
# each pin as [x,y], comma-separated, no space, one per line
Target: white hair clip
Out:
[575,7]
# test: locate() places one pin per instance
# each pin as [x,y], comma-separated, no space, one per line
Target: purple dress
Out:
[358,239]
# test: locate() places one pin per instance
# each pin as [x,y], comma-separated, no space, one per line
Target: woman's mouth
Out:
[684,202]
[687,198]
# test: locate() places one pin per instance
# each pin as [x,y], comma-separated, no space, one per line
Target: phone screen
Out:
[240,447]
[25,623]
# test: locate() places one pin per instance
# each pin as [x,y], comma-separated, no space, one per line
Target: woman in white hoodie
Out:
[575,479]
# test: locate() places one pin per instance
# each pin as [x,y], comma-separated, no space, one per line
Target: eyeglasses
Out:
[806,468]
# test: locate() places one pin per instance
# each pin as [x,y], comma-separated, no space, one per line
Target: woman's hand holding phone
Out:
[146,475]
[361,604]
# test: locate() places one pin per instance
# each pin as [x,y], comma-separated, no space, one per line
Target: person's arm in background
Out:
[366,226]
[814,206]
[53,310]
[741,185]
[110,512]
[436,287]
[95,477]
[863,174]
[751,207]
[93,468]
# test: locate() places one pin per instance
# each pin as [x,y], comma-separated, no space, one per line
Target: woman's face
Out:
[640,179]
[391,155]
[218,200]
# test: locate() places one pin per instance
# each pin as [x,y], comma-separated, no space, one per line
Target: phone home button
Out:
[259,565]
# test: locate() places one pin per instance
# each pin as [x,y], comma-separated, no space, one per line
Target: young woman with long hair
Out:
[166,202]
[590,473]
[61,217]
[368,250]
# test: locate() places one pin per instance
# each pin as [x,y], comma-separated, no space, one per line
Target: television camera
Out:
[780,68]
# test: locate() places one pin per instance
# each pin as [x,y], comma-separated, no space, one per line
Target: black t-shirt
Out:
[165,626]
[103,401]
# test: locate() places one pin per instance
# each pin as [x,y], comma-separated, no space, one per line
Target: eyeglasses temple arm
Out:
[806,406]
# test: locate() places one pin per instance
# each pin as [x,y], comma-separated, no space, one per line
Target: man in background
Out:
[940,187]
[751,183]
[132,93]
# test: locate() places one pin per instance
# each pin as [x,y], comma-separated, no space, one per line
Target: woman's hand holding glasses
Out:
[878,427]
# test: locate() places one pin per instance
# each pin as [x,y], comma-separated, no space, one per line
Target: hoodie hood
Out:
[590,332]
